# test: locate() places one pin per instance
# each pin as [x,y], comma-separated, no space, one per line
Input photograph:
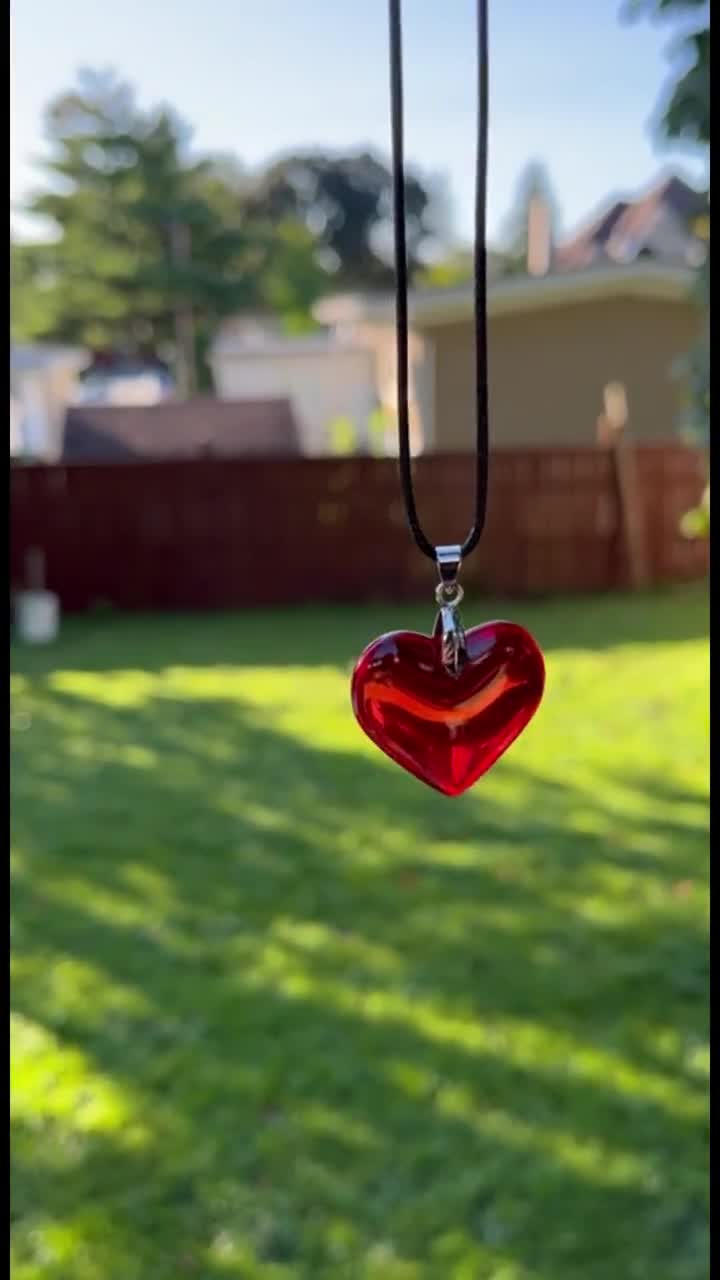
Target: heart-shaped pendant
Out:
[448,727]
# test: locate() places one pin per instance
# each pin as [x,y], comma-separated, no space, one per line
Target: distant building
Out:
[327,376]
[659,226]
[43,382]
[200,428]
[609,305]
[125,382]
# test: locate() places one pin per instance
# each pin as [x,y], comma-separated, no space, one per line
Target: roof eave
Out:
[520,294]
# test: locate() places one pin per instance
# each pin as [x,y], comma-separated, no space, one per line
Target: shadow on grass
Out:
[357,1027]
[335,636]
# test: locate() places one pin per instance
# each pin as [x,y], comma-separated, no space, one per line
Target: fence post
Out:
[611,435]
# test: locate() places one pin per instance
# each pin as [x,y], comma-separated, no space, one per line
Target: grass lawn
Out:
[281,1012]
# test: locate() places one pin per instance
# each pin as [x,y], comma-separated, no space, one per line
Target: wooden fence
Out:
[213,534]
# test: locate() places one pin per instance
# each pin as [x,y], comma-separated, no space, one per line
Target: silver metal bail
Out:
[448,595]
[448,561]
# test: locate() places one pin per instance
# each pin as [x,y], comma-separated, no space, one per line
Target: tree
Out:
[454,268]
[152,247]
[686,118]
[533,185]
[685,110]
[346,203]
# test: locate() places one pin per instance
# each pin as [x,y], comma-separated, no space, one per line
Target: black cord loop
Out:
[479,280]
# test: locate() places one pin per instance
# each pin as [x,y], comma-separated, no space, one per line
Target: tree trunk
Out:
[185,373]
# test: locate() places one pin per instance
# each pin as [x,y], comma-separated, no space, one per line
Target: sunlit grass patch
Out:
[281,1012]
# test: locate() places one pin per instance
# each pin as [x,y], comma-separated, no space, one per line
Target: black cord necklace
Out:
[446,706]
[479,280]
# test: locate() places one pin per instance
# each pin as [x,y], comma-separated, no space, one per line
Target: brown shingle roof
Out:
[203,427]
[627,225]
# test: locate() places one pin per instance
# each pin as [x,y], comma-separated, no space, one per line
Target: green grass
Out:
[281,1012]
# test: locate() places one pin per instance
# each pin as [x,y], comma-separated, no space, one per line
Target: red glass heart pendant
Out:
[448,729]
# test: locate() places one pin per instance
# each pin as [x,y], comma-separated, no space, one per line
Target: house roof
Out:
[635,248]
[180,429]
[429,307]
[626,229]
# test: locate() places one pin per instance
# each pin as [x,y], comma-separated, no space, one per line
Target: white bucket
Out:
[37,616]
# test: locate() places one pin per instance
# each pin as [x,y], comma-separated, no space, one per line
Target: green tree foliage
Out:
[685,117]
[346,203]
[453,269]
[152,248]
[686,108]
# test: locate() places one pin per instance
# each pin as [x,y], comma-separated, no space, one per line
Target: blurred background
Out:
[279,1011]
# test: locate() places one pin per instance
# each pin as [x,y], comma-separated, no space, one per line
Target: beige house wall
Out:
[381,341]
[549,368]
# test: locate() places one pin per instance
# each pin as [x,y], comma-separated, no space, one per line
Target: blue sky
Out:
[570,85]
